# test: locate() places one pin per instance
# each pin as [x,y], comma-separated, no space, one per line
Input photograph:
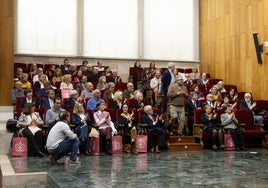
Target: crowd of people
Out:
[91,92]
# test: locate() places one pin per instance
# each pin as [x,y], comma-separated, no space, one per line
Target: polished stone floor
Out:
[200,169]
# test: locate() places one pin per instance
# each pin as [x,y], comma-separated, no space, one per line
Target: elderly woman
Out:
[66,82]
[109,92]
[118,100]
[30,121]
[138,103]
[129,126]
[210,123]
[82,124]
[155,123]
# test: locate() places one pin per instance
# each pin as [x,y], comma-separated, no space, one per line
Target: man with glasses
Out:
[52,115]
[17,92]
[177,93]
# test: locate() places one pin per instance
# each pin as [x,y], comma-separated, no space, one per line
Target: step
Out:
[5,140]
[181,139]
[184,146]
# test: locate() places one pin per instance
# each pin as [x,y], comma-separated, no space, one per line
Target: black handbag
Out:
[12,125]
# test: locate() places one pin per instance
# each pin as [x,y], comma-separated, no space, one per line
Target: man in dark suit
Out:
[115,78]
[167,79]
[48,102]
[156,124]
[190,106]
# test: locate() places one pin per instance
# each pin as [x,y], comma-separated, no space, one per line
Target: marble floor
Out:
[200,169]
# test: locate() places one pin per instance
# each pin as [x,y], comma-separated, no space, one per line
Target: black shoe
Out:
[108,145]
[243,149]
[87,153]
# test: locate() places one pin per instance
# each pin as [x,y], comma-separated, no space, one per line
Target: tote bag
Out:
[19,146]
[95,145]
[228,142]
[117,146]
[141,143]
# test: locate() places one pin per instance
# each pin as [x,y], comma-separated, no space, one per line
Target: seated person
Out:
[88,91]
[82,84]
[226,102]
[82,124]
[129,92]
[74,98]
[30,121]
[129,126]
[118,100]
[25,81]
[66,82]
[17,92]
[103,122]
[115,78]
[156,124]
[230,124]
[210,123]
[102,83]
[109,92]
[92,102]
[204,80]
[248,103]
[138,104]
[28,98]
[52,115]
[48,102]
[61,141]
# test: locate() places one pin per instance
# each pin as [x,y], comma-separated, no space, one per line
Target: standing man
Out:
[178,92]
[167,79]
[61,141]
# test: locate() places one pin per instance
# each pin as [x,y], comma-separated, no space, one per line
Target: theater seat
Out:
[254,133]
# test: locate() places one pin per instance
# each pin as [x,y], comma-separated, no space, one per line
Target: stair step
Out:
[181,139]
[184,146]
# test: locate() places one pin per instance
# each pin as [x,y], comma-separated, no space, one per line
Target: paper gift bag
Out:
[19,146]
[95,145]
[117,146]
[228,142]
[65,93]
[141,143]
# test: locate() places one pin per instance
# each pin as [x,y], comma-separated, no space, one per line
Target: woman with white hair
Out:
[138,104]
[109,92]
[155,123]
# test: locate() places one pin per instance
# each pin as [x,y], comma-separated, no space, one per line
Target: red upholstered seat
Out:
[254,133]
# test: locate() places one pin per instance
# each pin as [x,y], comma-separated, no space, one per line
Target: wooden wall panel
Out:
[6,50]
[228,51]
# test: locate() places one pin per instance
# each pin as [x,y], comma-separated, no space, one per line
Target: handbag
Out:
[117,146]
[19,146]
[141,143]
[12,125]
[228,142]
[94,132]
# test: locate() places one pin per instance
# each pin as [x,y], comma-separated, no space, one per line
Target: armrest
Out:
[198,129]
[259,126]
